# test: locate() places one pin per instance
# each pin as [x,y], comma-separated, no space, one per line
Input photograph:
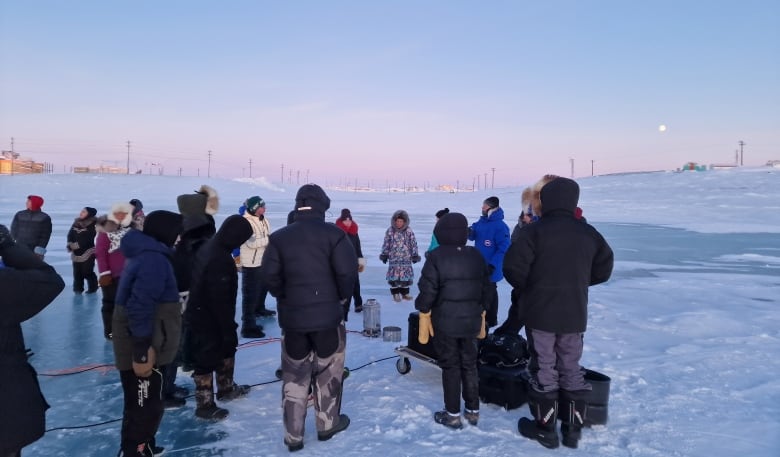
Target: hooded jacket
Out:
[555,260]
[454,282]
[490,235]
[309,266]
[146,285]
[211,307]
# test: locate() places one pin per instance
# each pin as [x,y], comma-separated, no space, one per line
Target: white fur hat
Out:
[121,207]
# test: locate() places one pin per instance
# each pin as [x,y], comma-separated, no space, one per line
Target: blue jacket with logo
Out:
[490,235]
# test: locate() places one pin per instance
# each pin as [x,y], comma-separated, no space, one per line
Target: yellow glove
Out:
[426,328]
[483,329]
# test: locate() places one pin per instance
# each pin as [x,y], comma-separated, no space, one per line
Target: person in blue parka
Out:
[146,328]
[490,235]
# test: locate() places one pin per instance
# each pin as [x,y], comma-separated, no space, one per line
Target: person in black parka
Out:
[551,265]
[31,227]
[455,289]
[310,267]
[28,286]
[210,314]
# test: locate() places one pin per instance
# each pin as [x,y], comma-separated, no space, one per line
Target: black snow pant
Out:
[143,408]
[84,271]
[458,363]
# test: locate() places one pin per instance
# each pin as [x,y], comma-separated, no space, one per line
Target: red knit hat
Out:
[35,202]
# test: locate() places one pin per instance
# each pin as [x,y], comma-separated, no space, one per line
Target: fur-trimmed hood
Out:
[198,208]
[400,214]
[526,199]
[536,200]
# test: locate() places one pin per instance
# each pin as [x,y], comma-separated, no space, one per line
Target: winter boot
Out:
[448,420]
[405,294]
[204,397]
[471,416]
[249,327]
[262,311]
[107,317]
[342,425]
[544,408]
[156,450]
[574,410]
[227,389]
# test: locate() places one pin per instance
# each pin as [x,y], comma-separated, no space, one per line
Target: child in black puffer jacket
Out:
[454,289]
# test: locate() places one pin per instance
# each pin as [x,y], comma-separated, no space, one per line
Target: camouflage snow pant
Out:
[312,362]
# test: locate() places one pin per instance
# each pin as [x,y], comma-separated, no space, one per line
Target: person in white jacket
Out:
[253,291]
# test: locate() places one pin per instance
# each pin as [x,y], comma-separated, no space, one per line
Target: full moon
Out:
[662,128]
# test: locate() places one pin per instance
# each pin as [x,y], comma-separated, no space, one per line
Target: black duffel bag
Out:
[503,351]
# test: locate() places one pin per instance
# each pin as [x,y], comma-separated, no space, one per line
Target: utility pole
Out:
[298,177]
[128,157]
[307,176]
[493,178]
[485,181]
[250,168]
[208,172]
[591,167]
[741,156]
[282,173]
[572,167]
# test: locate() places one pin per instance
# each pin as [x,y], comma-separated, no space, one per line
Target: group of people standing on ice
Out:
[551,258]
[170,280]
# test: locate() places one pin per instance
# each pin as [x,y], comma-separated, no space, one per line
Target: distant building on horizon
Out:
[12,164]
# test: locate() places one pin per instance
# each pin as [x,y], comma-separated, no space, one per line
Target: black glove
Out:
[383,258]
[415,258]
[140,349]
[5,237]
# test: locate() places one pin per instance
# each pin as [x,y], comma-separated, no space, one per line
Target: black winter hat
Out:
[491,202]
[345,214]
[560,193]
[452,230]
[233,232]
[137,204]
[312,195]
[91,212]
[253,204]
[163,226]
[442,212]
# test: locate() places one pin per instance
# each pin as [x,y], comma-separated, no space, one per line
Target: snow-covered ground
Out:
[688,328]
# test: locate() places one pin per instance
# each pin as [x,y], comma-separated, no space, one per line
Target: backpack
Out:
[504,351]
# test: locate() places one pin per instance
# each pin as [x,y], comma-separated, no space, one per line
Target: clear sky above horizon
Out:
[423,92]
